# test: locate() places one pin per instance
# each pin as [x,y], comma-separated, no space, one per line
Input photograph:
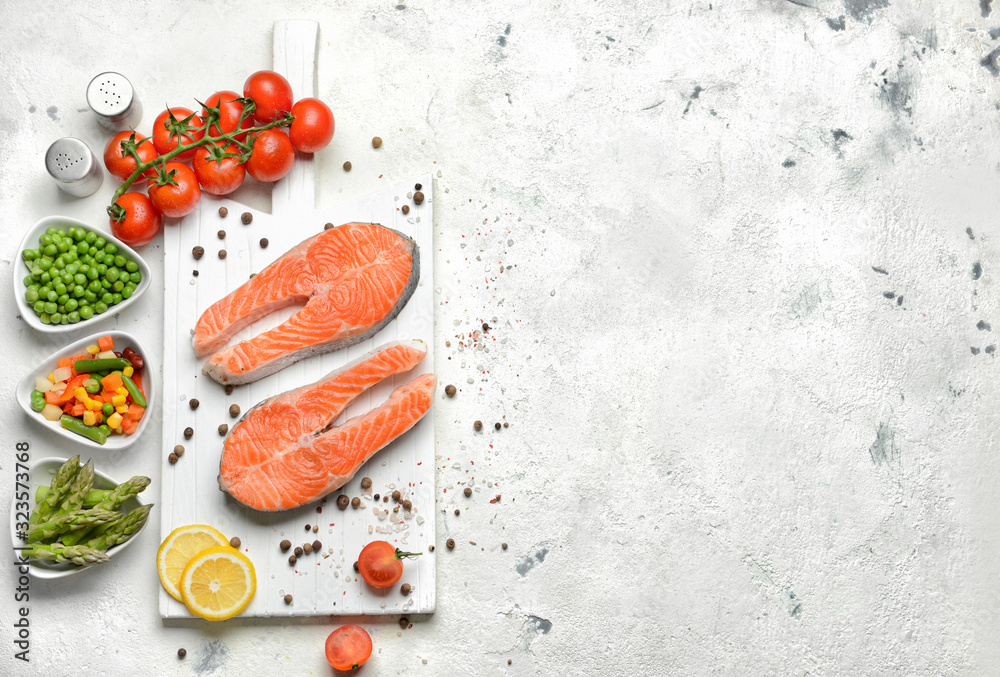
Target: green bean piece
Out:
[88,366]
[37,400]
[133,390]
[75,425]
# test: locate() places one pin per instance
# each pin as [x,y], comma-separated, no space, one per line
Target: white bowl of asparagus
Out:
[69,516]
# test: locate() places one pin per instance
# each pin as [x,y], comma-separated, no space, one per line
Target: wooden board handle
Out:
[295,58]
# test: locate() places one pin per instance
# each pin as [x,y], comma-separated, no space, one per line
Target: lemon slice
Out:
[218,583]
[179,548]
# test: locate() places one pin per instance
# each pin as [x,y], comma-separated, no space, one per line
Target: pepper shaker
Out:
[73,166]
[112,99]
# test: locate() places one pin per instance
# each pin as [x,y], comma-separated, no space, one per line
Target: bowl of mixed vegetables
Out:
[98,391]
[73,275]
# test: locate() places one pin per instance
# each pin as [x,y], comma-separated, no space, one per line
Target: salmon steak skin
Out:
[285,452]
[352,279]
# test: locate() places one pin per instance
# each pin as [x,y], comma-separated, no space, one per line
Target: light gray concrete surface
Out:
[729,452]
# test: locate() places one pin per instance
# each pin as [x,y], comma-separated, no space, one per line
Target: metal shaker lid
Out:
[73,166]
[111,96]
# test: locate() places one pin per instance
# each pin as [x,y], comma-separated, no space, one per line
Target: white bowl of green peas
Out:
[122,340]
[72,275]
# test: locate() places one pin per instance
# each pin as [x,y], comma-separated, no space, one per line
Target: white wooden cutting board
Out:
[325,583]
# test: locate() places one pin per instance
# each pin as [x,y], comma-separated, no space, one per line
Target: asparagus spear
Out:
[78,554]
[94,496]
[122,530]
[111,501]
[75,519]
[82,483]
[57,490]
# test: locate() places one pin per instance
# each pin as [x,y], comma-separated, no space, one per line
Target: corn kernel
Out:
[118,400]
[94,349]
[122,391]
[81,394]
[92,404]
[89,418]
[122,409]
[52,377]
[128,371]
[114,420]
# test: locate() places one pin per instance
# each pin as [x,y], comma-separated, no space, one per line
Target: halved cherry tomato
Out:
[312,128]
[121,164]
[229,114]
[379,564]
[348,647]
[272,155]
[174,191]
[142,221]
[167,132]
[219,170]
[271,92]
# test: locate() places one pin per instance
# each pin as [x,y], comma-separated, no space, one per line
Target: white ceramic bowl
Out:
[42,472]
[122,340]
[21,269]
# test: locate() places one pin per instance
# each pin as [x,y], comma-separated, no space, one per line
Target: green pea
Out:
[51,295]
[108,408]
[79,234]
[50,250]
[131,266]
[95,286]
[100,242]
[101,269]
[78,291]
[71,256]
[60,288]
[56,317]
[136,277]
[45,264]
[106,283]
[28,280]
[118,285]
[127,293]
[100,307]
[120,261]
[63,298]
[31,295]
[89,296]
[111,248]
[59,263]
[116,299]
[92,251]
[90,237]
[79,278]
[104,429]
[112,274]
[108,298]
[73,318]
[72,268]
[71,304]
[63,246]
[27,255]
[93,273]
[86,312]
[45,240]
[39,306]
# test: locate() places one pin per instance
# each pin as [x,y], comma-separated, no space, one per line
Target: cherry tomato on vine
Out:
[175,192]
[219,170]
[167,133]
[379,564]
[272,155]
[312,128]
[229,114]
[348,647]
[271,92]
[141,223]
[121,164]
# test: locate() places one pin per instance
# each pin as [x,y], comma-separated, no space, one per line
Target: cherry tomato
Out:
[348,647]
[229,114]
[167,134]
[380,565]
[271,92]
[312,127]
[219,171]
[120,164]
[272,155]
[141,223]
[175,201]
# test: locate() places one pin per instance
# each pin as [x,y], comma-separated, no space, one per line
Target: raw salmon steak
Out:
[285,452]
[353,280]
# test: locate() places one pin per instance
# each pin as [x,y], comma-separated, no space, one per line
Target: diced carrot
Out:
[63,362]
[135,412]
[129,426]
[68,408]
[78,409]
[106,343]
[112,382]
[72,361]
[52,397]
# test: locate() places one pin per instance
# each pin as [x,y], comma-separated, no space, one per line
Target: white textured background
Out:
[729,452]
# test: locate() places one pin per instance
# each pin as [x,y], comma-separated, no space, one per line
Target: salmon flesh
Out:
[352,280]
[285,452]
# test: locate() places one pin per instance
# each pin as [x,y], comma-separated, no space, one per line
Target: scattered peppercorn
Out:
[315,528]
[298,551]
[264,243]
[223,429]
[223,212]
[319,508]
[406,209]
[450,543]
[496,426]
[404,622]
[355,502]
[396,495]
[486,327]
[246,218]
[234,411]
[506,425]
[508,661]
[172,458]
[343,501]
[221,234]
[376,142]
[385,499]
[503,545]
[308,527]
[377,497]
[229,390]
[285,545]
[317,546]
[307,548]
[195,273]
[356,569]
[222,253]
[478,425]
[418,187]
[430,548]
[407,504]
[179,450]
[347,166]
[194,403]
[329,226]
[366,482]
[198,252]
[405,588]
[418,197]
[467,492]
[288,599]
[457,512]
[292,559]
[235,542]
[188,433]
[450,390]
[181,653]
